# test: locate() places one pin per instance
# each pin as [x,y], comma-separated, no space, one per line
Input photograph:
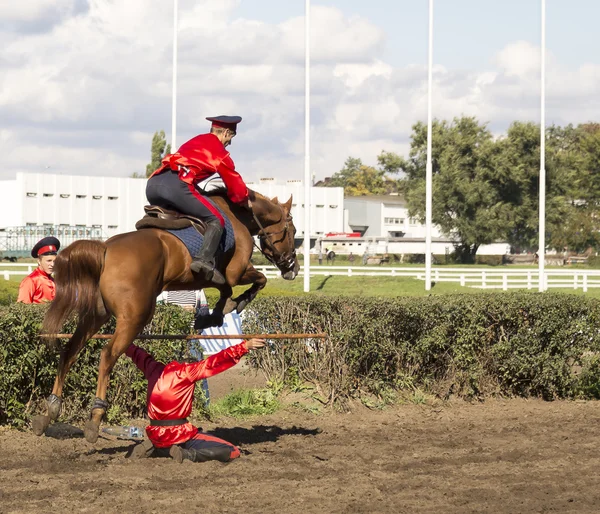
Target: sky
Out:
[84,84]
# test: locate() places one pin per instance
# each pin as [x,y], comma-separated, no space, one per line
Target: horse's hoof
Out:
[90,432]
[242,305]
[40,423]
[230,305]
[54,406]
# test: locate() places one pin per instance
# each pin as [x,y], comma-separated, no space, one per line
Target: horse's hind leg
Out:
[125,333]
[86,328]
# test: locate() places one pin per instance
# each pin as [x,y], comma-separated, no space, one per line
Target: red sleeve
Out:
[217,363]
[144,361]
[236,188]
[26,290]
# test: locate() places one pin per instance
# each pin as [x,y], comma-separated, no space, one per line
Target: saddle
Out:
[166,219]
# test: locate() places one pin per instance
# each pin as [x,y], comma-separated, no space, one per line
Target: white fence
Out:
[484,278]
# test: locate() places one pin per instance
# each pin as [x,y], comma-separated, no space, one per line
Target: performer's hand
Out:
[253,344]
[249,204]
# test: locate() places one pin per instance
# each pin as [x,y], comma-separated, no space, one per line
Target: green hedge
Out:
[521,344]
[512,344]
[28,367]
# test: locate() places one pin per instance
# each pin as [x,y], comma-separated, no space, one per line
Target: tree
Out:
[466,203]
[159,149]
[358,179]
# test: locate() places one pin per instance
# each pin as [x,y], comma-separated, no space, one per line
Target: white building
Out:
[384,216]
[327,204]
[386,227]
[110,203]
[115,204]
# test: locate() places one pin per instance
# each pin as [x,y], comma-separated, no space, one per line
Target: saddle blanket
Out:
[192,239]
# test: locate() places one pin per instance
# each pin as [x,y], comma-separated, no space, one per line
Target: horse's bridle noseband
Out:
[283,261]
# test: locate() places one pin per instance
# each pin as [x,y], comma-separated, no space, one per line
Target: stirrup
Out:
[208,270]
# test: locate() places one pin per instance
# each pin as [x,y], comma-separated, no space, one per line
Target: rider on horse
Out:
[173,186]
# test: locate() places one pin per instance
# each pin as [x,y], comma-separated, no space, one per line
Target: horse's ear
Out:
[288,205]
[274,199]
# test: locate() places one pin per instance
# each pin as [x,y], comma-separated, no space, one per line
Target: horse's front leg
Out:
[250,276]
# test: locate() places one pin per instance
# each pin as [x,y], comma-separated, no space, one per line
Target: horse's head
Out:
[276,234]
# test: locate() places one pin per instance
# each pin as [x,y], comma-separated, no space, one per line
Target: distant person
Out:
[365,258]
[320,256]
[39,287]
[351,258]
[170,398]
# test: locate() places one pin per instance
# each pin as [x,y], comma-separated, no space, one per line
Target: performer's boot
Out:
[204,261]
[143,450]
[178,454]
[220,453]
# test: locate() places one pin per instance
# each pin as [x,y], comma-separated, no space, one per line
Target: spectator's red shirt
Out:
[203,156]
[171,389]
[37,287]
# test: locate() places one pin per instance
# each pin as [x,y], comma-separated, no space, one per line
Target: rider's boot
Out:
[204,261]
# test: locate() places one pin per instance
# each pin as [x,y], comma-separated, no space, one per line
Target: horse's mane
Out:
[217,191]
[222,192]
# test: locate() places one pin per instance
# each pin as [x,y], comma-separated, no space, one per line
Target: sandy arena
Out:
[499,456]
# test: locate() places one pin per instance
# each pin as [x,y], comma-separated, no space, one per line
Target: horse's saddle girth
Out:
[166,219]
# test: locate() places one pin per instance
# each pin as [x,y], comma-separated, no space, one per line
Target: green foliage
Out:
[9,290]
[466,202]
[522,344]
[358,179]
[246,402]
[159,149]
[28,368]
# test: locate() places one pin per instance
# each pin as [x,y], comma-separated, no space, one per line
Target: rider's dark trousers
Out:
[168,191]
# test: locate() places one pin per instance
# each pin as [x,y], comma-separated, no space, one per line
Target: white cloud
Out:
[86,90]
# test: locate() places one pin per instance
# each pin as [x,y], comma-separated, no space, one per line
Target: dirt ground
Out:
[498,456]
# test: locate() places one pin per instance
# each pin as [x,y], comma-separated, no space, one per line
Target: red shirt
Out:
[203,156]
[171,389]
[37,287]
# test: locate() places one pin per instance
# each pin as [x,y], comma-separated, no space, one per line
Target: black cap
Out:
[47,246]
[229,122]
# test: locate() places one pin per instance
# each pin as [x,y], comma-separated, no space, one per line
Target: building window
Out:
[65,195]
[333,206]
[97,197]
[320,206]
[81,196]
[112,226]
[113,197]
[31,195]
[393,221]
[48,195]
[31,224]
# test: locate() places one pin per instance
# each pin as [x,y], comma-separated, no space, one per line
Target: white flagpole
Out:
[307,182]
[174,99]
[429,167]
[542,200]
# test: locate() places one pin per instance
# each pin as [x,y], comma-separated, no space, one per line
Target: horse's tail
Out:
[77,271]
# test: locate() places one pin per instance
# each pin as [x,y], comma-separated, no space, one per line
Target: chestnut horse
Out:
[123,276]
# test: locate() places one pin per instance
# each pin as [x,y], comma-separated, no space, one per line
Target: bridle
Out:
[285,261]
